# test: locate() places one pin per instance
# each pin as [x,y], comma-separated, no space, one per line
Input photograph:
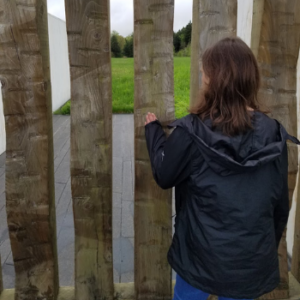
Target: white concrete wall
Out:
[244,22]
[59,62]
[60,71]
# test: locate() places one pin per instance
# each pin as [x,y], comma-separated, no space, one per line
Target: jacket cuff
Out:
[153,123]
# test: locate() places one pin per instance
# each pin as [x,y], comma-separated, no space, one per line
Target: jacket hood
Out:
[231,155]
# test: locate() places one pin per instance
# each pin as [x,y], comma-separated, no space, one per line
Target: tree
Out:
[121,40]
[128,48]
[176,42]
[115,47]
[182,37]
[188,33]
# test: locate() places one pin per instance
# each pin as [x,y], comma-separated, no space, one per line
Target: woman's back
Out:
[228,162]
[225,232]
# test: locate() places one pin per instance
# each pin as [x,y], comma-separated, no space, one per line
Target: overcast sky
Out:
[122,14]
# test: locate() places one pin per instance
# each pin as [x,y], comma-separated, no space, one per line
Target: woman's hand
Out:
[150,118]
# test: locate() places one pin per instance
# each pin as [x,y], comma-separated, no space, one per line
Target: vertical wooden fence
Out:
[277,55]
[154,91]
[88,31]
[26,88]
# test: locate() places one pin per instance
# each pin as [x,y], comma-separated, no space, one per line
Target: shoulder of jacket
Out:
[183,122]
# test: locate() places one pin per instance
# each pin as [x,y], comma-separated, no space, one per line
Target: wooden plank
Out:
[257,21]
[277,47]
[88,28]
[26,90]
[1,281]
[295,268]
[296,246]
[154,92]
[213,20]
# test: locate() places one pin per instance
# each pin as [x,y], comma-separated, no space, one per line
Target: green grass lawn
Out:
[123,86]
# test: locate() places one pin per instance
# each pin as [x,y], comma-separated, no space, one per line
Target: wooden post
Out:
[277,48]
[213,20]
[154,92]
[1,281]
[296,246]
[257,21]
[88,27]
[30,203]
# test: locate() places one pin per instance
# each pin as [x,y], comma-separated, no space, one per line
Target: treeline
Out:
[182,41]
[121,46]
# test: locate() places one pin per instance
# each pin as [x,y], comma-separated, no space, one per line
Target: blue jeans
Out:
[184,291]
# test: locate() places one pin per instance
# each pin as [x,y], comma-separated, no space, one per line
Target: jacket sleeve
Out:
[281,211]
[170,158]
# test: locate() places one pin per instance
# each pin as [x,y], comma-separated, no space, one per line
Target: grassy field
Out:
[123,86]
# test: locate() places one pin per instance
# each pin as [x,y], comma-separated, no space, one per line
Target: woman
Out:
[228,162]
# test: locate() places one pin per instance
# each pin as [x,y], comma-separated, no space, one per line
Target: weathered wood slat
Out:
[88,27]
[212,21]
[296,247]
[154,92]
[1,280]
[277,49]
[26,90]
[257,21]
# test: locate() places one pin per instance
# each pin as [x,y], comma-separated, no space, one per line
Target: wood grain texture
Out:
[277,55]
[88,28]
[154,92]
[213,20]
[122,291]
[1,280]
[282,291]
[125,291]
[296,246]
[26,90]
[257,21]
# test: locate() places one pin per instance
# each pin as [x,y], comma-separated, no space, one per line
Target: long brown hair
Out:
[232,88]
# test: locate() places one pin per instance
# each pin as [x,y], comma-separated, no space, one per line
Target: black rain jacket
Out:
[232,202]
